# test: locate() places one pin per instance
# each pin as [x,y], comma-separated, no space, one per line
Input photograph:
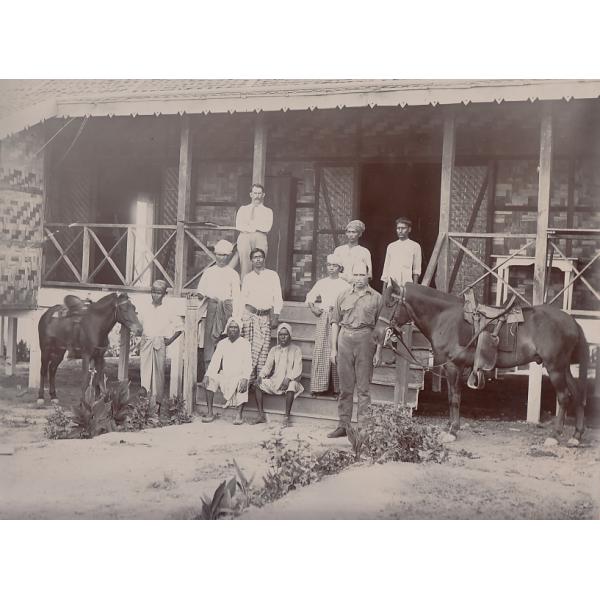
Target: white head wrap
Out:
[285,326]
[223,247]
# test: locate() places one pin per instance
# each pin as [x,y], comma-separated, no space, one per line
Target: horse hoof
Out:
[550,441]
[446,438]
[573,443]
[40,402]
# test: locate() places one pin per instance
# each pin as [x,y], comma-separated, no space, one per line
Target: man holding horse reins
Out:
[160,330]
[352,322]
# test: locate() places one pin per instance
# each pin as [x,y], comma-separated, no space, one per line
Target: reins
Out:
[401,299]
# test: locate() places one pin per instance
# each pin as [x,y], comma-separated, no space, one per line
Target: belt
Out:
[261,312]
[355,329]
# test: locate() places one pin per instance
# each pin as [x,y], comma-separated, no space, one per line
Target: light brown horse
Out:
[548,336]
[57,332]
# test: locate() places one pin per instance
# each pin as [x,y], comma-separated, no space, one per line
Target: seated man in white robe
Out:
[229,371]
[281,373]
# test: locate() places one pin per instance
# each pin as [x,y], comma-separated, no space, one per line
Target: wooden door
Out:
[280,198]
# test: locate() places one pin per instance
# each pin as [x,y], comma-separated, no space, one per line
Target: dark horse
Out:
[548,336]
[88,332]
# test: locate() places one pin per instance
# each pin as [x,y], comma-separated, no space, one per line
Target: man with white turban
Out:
[229,371]
[161,328]
[323,373]
[220,286]
[281,373]
[351,252]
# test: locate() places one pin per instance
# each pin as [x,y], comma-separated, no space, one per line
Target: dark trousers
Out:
[355,368]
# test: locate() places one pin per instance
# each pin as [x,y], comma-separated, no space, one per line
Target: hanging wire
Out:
[68,123]
[81,127]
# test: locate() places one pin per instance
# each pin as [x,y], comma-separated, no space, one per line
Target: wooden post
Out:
[448,154]
[123,369]
[11,346]
[2,344]
[259,162]
[176,378]
[130,256]
[190,373]
[403,370]
[35,354]
[85,257]
[541,247]
[183,203]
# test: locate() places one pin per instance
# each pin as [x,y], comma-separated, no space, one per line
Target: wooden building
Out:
[108,184]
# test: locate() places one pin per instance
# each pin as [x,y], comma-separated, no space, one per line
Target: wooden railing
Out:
[122,256]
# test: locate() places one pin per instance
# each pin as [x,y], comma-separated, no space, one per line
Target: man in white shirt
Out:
[160,330]
[261,302]
[253,221]
[352,252]
[229,370]
[403,257]
[220,286]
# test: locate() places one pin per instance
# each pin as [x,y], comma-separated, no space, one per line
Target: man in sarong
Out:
[323,374]
[281,373]
[220,286]
[229,371]
[160,330]
[262,303]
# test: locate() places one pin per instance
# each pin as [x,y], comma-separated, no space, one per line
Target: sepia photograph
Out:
[282,299]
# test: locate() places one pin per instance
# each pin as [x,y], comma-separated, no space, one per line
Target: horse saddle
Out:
[487,322]
[74,309]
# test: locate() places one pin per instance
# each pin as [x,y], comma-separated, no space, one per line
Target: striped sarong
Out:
[257,330]
[322,369]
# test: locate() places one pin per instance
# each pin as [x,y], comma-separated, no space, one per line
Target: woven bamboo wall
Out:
[21,186]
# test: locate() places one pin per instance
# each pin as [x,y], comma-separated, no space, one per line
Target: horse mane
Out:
[105,300]
[439,296]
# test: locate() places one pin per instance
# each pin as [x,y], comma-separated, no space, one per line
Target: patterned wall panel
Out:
[467,183]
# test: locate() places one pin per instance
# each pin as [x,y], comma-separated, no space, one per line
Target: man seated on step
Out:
[229,370]
[281,374]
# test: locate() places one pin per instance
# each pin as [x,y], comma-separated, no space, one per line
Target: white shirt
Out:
[222,283]
[262,290]
[349,256]
[329,289]
[402,261]
[251,218]
[158,321]
[236,357]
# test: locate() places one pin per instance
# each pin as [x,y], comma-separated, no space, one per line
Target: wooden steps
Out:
[307,407]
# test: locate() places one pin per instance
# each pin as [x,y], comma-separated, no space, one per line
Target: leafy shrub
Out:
[144,413]
[22,352]
[58,425]
[178,413]
[393,435]
[92,417]
[221,505]
[120,408]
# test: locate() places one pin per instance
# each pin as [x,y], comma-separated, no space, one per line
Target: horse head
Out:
[127,315]
[393,313]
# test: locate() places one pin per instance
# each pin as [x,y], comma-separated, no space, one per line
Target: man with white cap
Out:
[352,252]
[253,221]
[281,373]
[161,328]
[323,373]
[229,370]
[220,286]
[353,319]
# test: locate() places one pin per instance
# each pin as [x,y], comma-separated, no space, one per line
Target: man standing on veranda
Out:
[253,221]
[160,330]
[262,302]
[220,286]
[352,322]
[402,257]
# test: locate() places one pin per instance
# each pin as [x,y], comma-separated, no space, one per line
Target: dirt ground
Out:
[498,468]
